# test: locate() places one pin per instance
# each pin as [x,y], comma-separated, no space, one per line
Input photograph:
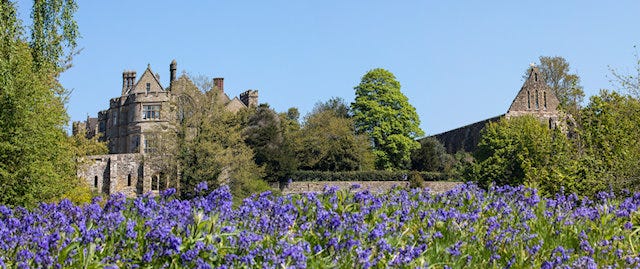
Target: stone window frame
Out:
[148,87]
[544,98]
[151,111]
[149,143]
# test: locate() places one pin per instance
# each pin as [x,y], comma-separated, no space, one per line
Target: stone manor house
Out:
[127,127]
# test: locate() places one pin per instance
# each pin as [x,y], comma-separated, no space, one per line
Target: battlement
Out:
[249,98]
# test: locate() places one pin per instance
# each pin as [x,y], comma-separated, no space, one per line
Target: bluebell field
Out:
[503,227]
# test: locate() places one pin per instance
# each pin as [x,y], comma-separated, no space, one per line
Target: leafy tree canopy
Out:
[329,141]
[36,157]
[382,112]
[565,85]
[522,150]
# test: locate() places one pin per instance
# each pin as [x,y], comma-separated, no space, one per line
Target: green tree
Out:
[87,146]
[329,141]
[431,156]
[265,134]
[522,150]
[210,146]
[381,111]
[336,104]
[36,157]
[565,85]
[609,134]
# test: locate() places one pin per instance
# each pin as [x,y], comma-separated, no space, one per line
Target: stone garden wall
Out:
[373,186]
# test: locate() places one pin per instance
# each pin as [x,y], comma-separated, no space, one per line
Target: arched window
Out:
[154,183]
[528,99]
[544,97]
[129,180]
[537,101]
[95,181]
[536,76]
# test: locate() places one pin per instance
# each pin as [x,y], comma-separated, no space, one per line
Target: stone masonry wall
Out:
[373,186]
[113,173]
[465,138]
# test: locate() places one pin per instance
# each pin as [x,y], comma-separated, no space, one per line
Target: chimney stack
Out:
[172,71]
[219,83]
[128,79]
[125,77]
[132,79]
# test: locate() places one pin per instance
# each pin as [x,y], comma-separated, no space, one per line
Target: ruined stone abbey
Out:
[128,126]
[534,98]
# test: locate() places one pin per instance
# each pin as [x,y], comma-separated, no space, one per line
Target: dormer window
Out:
[148,87]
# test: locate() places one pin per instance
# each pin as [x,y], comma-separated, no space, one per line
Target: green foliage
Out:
[210,146]
[79,194]
[336,105]
[381,111]
[416,180]
[329,143]
[431,156]
[376,175]
[87,146]
[54,32]
[522,150]
[564,85]
[609,134]
[266,135]
[36,156]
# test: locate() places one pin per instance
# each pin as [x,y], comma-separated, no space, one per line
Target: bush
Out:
[416,180]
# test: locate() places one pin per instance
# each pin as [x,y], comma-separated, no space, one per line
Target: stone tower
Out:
[249,98]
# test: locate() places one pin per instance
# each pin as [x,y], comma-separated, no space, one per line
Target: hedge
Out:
[363,176]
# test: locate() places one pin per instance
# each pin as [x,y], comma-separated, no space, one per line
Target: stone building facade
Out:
[534,98]
[128,127]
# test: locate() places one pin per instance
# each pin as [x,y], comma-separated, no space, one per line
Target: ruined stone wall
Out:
[465,138]
[113,173]
[373,186]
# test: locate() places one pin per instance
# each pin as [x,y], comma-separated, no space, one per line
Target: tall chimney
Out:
[219,83]
[124,81]
[132,78]
[172,71]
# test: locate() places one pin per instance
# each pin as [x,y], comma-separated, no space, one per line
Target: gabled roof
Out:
[534,96]
[147,72]
[234,105]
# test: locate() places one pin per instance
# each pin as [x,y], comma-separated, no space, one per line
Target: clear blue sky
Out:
[457,62]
